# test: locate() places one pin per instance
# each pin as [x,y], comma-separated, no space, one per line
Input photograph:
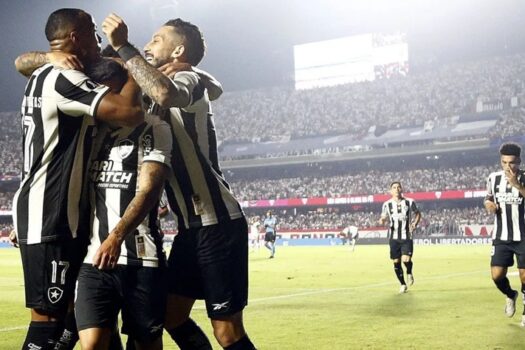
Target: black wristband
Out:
[127,52]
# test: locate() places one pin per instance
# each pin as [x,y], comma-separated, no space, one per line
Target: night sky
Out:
[250,42]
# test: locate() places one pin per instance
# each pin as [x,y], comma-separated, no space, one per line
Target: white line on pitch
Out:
[315,292]
[374,285]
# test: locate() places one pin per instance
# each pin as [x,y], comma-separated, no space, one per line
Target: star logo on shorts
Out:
[220,306]
[54,294]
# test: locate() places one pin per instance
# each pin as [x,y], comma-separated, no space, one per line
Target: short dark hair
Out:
[107,70]
[395,182]
[194,44]
[65,20]
[510,149]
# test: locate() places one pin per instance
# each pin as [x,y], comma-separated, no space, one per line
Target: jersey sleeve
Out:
[413,207]
[522,178]
[384,211]
[190,81]
[490,194]
[158,143]
[77,94]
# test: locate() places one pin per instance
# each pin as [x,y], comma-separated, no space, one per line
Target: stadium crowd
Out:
[454,89]
[433,220]
[364,183]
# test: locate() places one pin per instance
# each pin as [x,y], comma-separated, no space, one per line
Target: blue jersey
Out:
[269,224]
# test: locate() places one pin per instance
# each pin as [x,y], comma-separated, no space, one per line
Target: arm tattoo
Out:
[152,82]
[28,62]
[151,183]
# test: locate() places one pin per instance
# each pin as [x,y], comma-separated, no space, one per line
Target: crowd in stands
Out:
[364,183]
[323,219]
[433,220]
[10,144]
[6,200]
[454,89]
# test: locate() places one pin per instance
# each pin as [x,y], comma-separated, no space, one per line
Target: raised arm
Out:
[157,86]
[151,184]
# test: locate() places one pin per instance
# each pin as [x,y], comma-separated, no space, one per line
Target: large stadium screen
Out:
[350,59]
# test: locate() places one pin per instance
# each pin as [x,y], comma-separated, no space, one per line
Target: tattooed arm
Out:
[27,62]
[160,88]
[150,184]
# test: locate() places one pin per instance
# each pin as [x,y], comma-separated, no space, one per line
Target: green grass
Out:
[329,298]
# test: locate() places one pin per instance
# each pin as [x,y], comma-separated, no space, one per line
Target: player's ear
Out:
[177,52]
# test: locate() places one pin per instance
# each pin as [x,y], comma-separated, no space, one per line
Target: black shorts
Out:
[503,254]
[400,247]
[138,291]
[50,272]
[211,263]
[269,237]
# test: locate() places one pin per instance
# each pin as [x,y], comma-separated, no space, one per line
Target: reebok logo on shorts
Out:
[54,294]
[156,328]
[220,306]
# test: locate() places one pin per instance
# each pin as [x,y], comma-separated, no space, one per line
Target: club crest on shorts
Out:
[54,294]
[125,147]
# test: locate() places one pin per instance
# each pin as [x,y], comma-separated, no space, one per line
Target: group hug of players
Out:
[103,137]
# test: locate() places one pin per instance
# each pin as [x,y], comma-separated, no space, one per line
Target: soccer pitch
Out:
[331,298]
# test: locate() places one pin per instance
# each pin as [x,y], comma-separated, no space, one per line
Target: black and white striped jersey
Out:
[57,122]
[197,191]
[509,221]
[117,156]
[400,214]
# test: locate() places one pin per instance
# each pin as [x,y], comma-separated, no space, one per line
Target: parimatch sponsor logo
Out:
[103,175]
[509,198]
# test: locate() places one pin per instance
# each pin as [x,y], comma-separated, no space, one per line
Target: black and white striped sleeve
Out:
[158,143]
[77,95]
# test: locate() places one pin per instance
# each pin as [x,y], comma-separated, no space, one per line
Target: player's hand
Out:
[108,253]
[170,69]
[64,60]
[115,30]
[13,239]
[412,227]
[512,177]
[491,207]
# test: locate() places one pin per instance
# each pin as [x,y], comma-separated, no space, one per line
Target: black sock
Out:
[114,341]
[69,336]
[408,265]
[242,344]
[189,336]
[399,272]
[503,285]
[42,335]
[130,343]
